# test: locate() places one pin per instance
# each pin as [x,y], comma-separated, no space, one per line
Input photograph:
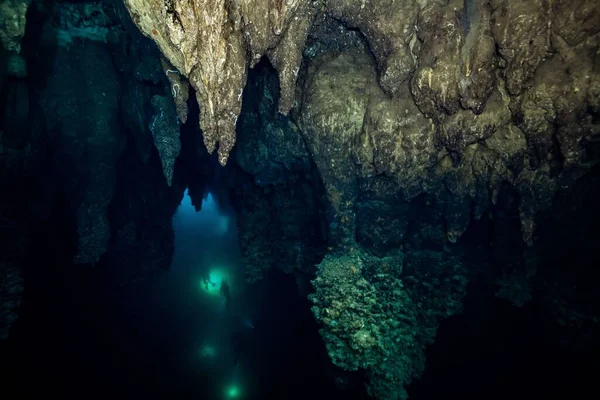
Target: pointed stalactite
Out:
[212,43]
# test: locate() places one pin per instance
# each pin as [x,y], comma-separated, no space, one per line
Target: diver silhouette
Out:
[225,293]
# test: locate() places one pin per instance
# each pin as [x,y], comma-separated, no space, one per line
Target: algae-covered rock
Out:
[374,319]
[12,23]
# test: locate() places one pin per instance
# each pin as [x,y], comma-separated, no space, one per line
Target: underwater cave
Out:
[256,200]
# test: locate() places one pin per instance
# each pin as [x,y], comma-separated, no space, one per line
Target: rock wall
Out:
[480,115]
[76,96]
[476,71]
[277,191]
[117,91]
[480,119]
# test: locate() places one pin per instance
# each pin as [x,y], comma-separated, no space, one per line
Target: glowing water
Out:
[206,256]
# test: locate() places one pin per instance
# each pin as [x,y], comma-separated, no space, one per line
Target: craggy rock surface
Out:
[212,43]
[78,143]
[91,117]
[467,91]
[465,110]
[390,30]
[12,27]
[469,128]
[412,123]
[379,314]
[165,131]
[277,195]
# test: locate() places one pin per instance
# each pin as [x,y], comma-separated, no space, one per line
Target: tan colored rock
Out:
[554,116]
[213,42]
[522,32]
[477,55]
[389,27]
[332,117]
[456,61]
[575,20]
[397,140]
[180,89]
[434,83]
[465,128]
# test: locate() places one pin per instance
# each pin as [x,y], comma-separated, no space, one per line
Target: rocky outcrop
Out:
[468,125]
[471,65]
[165,131]
[278,198]
[212,43]
[12,30]
[380,313]
[83,117]
[417,116]
[446,104]
[104,83]
[470,132]
[390,30]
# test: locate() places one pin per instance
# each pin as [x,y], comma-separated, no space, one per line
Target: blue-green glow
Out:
[215,277]
[208,351]
[233,392]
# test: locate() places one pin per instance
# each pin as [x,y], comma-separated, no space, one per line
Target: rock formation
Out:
[397,126]
[212,43]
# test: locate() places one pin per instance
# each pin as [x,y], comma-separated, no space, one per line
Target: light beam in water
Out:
[212,285]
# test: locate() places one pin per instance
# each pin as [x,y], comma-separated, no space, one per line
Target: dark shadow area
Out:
[547,348]
[498,351]
[83,334]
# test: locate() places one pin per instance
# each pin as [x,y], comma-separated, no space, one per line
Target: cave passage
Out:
[242,341]
[174,336]
[299,200]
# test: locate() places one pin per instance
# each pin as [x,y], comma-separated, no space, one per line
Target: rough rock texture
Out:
[12,30]
[390,30]
[212,43]
[12,25]
[83,119]
[456,59]
[477,136]
[450,46]
[469,127]
[379,318]
[165,131]
[91,117]
[277,197]
[180,89]
[418,117]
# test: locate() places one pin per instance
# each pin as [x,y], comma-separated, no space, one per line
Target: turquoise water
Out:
[206,255]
